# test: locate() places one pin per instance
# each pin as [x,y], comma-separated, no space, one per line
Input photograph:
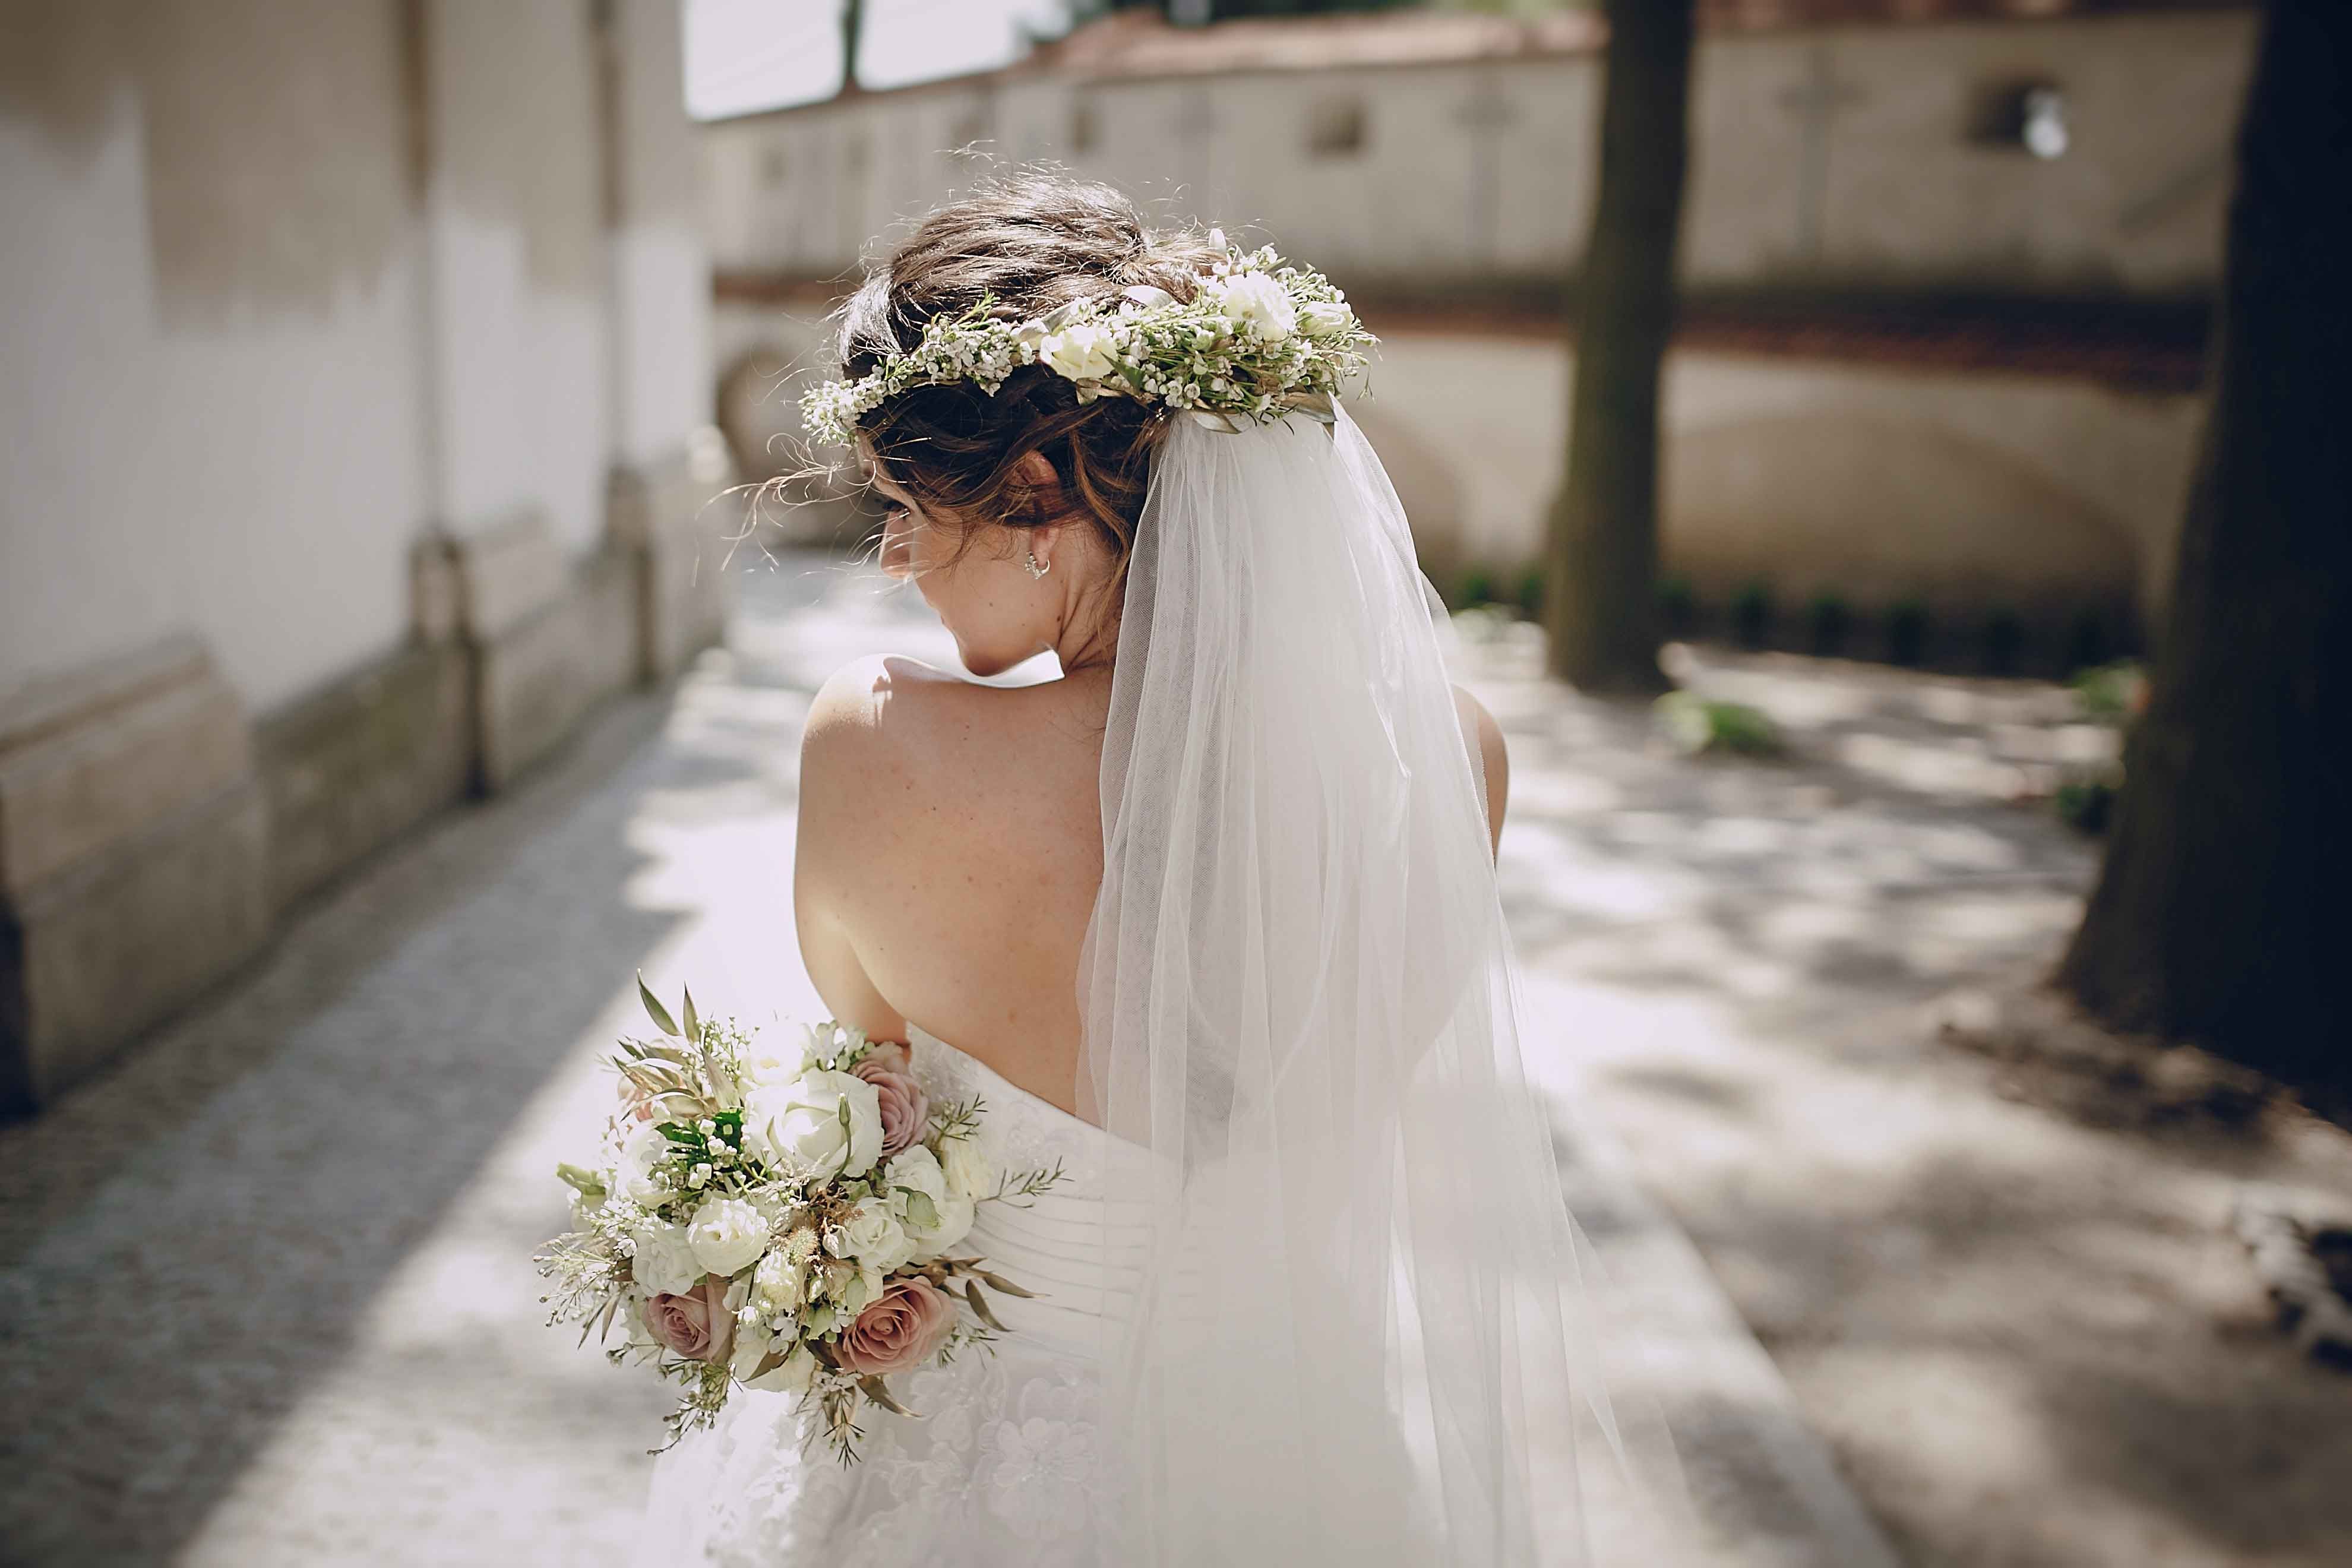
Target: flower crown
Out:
[1260,341]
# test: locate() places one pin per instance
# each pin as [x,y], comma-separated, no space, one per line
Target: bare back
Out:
[950,851]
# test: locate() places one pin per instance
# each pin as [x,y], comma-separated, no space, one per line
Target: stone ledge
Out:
[99,953]
[667,514]
[353,767]
[100,754]
[533,680]
[132,858]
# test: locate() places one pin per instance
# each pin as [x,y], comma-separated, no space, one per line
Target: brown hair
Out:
[1035,241]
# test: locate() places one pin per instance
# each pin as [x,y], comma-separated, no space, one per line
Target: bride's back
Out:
[951,846]
[951,834]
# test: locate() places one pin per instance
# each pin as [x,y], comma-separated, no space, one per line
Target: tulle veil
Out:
[1364,1334]
[1364,1329]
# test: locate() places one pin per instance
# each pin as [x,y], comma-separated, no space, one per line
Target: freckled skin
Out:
[914,781]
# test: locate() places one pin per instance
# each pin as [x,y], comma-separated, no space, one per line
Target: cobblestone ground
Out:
[265,1296]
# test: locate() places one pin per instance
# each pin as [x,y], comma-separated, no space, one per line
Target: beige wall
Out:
[209,409]
[1962,489]
[285,287]
[1485,169]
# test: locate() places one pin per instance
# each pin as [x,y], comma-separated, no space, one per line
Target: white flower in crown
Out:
[1262,303]
[1083,352]
[1327,318]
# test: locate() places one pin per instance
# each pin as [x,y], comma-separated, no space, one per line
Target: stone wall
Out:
[1965,494]
[1823,157]
[358,374]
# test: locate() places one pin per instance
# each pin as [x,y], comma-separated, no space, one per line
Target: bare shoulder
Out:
[1484,736]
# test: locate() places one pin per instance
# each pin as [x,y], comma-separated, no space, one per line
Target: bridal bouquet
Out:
[779,1218]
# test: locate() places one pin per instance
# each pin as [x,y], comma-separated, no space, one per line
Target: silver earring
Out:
[1037,568]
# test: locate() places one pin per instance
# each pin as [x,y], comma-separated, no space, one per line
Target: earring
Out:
[1037,568]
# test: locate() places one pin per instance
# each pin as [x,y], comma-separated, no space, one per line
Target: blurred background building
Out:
[1946,268]
[361,358]
[355,356]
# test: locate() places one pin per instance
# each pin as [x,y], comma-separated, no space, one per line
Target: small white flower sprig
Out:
[1260,341]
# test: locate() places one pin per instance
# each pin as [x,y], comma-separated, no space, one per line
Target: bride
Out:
[1210,923]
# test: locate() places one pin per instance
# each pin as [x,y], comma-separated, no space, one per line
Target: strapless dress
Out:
[994,1468]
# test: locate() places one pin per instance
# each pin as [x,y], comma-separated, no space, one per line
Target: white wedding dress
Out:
[1309,1292]
[993,1470]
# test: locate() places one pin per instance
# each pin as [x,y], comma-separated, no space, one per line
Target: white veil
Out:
[1362,1337]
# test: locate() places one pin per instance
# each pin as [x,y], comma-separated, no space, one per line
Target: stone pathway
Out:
[265,1296]
[2029,1343]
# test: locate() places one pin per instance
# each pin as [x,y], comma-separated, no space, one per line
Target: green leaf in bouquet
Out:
[654,1009]
[693,1025]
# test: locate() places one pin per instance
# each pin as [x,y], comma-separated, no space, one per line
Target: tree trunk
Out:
[852,27]
[1600,590]
[2231,845]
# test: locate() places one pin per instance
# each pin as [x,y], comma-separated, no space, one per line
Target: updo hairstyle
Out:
[1035,242]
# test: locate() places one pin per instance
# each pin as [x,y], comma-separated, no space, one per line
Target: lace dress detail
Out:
[992,1471]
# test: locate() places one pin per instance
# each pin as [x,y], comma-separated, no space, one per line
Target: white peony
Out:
[829,1122]
[1262,303]
[798,1371]
[664,1264]
[1081,353]
[727,1233]
[646,1148]
[970,1174]
[1326,320]
[955,1216]
[870,1233]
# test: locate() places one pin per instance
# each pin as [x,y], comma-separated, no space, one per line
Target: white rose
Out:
[1327,320]
[646,1148]
[970,1174]
[1262,303]
[798,1371]
[775,1064]
[778,1284]
[870,1233]
[917,1169]
[666,1264]
[825,1121]
[954,1223]
[1082,353]
[727,1233]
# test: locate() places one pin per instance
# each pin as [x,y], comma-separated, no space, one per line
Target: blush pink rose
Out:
[899,1331]
[905,1107]
[696,1325]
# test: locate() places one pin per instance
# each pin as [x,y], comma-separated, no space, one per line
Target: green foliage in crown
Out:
[1261,340]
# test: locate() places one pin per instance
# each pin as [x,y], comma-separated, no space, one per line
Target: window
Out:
[2027,116]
